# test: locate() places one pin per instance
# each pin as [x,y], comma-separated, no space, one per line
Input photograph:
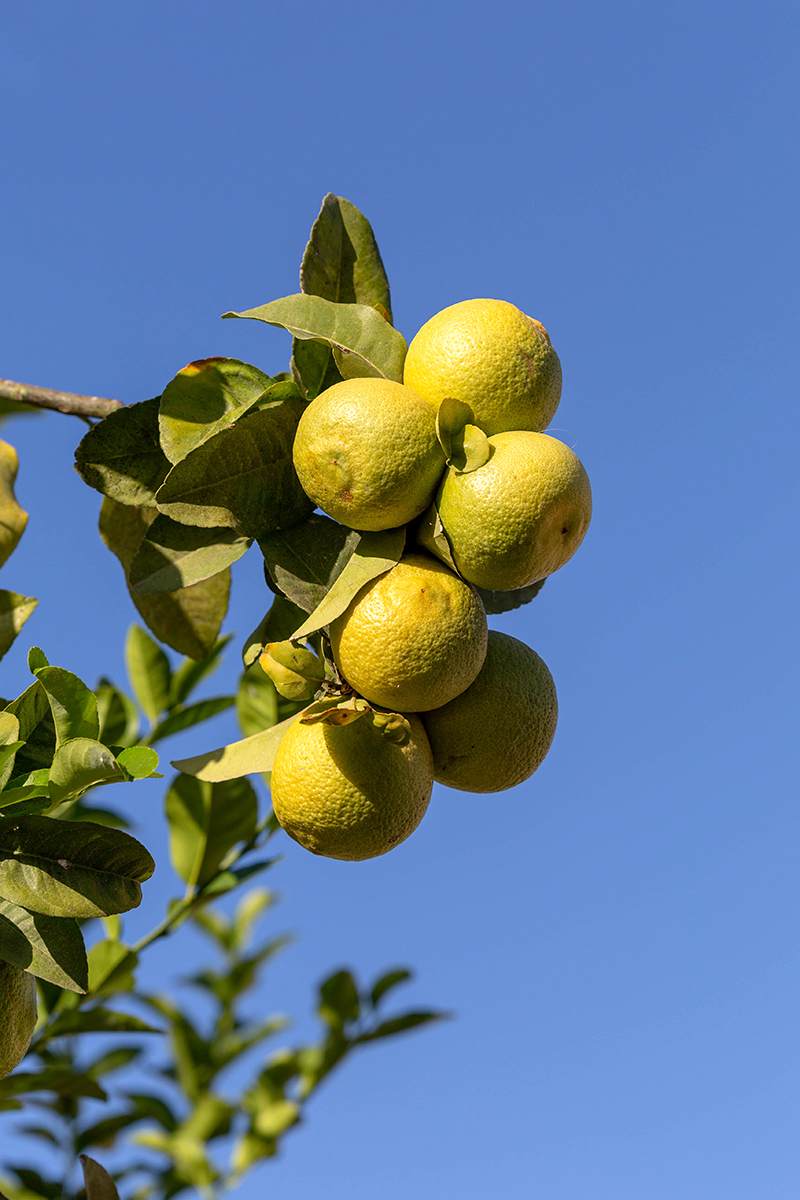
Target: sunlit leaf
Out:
[79,764]
[111,966]
[119,720]
[121,455]
[206,820]
[14,612]
[342,261]
[149,672]
[139,761]
[73,706]
[13,519]
[36,729]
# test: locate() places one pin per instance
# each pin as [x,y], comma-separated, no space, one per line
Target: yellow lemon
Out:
[496,733]
[345,791]
[17,1015]
[413,638]
[493,357]
[519,517]
[366,453]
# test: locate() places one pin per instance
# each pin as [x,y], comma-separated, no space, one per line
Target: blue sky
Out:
[617,937]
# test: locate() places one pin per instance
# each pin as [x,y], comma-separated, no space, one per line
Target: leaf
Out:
[188,620]
[258,705]
[409,1020]
[49,947]
[207,820]
[80,764]
[111,965]
[121,456]
[173,556]
[36,729]
[281,618]
[342,261]
[14,612]
[338,1000]
[99,1184]
[9,744]
[306,560]
[243,478]
[374,555]
[465,446]
[206,397]
[70,869]
[73,706]
[52,1079]
[500,602]
[432,537]
[386,982]
[313,366]
[119,720]
[37,659]
[185,718]
[140,762]
[190,673]
[364,339]
[149,672]
[13,519]
[97,1020]
[296,672]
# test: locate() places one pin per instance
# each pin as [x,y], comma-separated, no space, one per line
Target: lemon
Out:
[519,517]
[17,1015]
[366,453]
[413,638]
[496,733]
[493,357]
[344,791]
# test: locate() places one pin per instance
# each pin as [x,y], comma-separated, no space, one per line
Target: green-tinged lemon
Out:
[494,358]
[17,1015]
[367,454]
[519,517]
[345,791]
[496,733]
[413,638]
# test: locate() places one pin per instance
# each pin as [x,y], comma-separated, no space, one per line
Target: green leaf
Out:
[121,455]
[243,478]
[274,1119]
[111,966]
[119,720]
[188,620]
[185,718]
[99,1184]
[338,1000]
[190,673]
[103,1132]
[296,672]
[97,1020]
[73,706]
[37,659]
[432,537]
[52,1079]
[14,612]
[313,366]
[206,820]
[80,764]
[70,869]
[386,982]
[13,519]
[149,672]
[173,556]
[258,705]
[365,341]
[248,757]
[500,602]
[342,261]
[36,729]
[281,619]
[374,555]
[140,762]
[49,947]
[409,1020]
[465,446]
[10,743]
[206,397]
[305,561]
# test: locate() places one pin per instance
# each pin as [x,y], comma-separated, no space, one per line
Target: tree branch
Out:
[65,402]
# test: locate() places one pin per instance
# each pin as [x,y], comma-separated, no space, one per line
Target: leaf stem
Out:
[65,402]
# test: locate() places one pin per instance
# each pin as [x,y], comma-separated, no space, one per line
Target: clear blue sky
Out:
[618,937]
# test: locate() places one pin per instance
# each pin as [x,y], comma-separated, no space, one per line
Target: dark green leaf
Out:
[37,659]
[49,947]
[306,560]
[338,999]
[374,555]
[500,602]
[385,983]
[97,1020]
[226,881]
[36,728]
[139,761]
[206,820]
[313,366]
[409,1020]
[73,706]
[363,339]
[119,720]
[149,672]
[342,261]
[53,1079]
[70,869]
[258,705]
[99,1184]
[189,674]
[14,612]
[174,556]
[281,620]
[79,764]
[103,1132]
[243,478]
[185,718]
[204,398]
[121,455]
[188,620]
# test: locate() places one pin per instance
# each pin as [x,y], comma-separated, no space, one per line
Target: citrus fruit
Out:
[493,357]
[17,1015]
[413,638]
[366,452]
[520,516]
[345,791]
[496,733]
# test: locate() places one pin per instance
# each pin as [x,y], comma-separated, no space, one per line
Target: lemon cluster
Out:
[494,503]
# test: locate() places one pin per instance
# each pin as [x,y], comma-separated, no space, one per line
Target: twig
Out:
[65,402]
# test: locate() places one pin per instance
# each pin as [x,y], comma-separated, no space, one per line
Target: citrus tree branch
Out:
[65,402]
